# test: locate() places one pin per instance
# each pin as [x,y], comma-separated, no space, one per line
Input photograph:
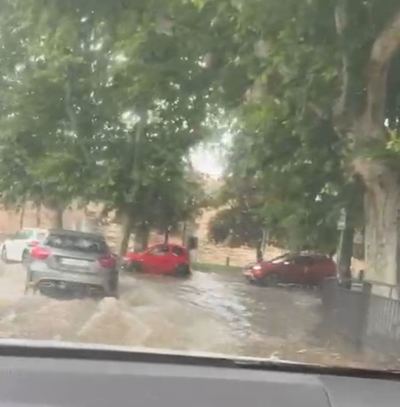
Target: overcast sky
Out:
[210,157]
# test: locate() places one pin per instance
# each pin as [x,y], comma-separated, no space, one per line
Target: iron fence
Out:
[383,324]
[361,316]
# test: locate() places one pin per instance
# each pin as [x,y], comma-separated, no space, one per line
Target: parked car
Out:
[168,259]
[77,262]
[17,247]
[296,268]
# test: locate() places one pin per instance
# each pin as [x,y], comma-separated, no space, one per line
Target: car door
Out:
[10,247]
[17,244]
[321,268]
[158,260]
[178,256]
[299,269]
[282,266]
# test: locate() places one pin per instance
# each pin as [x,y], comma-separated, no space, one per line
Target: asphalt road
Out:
[209,312]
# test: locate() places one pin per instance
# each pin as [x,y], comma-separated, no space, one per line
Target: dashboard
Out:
[50,376]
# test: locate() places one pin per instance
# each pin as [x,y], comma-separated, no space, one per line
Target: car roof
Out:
[77,233]
[295,255]
[170,245]
[35,229]
[312,254]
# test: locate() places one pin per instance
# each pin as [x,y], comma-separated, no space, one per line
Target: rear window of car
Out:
[76,243]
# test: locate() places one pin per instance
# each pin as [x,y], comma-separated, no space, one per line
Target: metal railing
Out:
[361,316]
[383,323]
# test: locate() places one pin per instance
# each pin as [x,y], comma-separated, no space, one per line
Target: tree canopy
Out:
[103,106]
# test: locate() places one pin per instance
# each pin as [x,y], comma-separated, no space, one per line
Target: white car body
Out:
[14,248]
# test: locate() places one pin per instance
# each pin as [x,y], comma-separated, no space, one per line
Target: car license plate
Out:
[74,262]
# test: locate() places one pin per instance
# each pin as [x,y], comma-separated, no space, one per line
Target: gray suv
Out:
[74,262]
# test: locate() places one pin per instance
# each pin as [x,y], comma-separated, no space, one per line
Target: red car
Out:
[168,259]
[307,269]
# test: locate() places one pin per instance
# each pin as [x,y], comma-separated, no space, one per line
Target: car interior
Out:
[46,375]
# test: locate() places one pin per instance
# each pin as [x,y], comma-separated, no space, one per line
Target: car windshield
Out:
[232,166]
[23,234]
[282,259]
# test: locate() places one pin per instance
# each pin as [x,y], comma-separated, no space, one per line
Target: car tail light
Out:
[40,253]
[107,261]
[33,243]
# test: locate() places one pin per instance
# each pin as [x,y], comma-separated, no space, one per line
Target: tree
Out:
[162,90]
[322,68]
[102,106]
[49,105]
[361,121]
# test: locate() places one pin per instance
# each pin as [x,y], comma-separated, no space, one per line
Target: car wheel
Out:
[135,267]
[25,257]
[4,255]
[29,277]
[182,270]
[271,280]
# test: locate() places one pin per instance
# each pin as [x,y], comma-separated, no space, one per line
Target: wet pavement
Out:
[209,312]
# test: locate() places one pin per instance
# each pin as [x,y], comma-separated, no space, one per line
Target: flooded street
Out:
[210,312]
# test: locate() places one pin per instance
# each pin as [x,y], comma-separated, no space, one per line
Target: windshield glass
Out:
[195,142]
[281,259]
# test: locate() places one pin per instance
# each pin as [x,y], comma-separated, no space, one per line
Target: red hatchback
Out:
[168,259]
[298,268]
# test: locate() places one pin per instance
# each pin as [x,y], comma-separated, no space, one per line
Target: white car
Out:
[18,246]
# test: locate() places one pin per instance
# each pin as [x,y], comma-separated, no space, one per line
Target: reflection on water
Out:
[212,312]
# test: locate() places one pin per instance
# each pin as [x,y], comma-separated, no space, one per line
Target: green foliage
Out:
[103,105]
[289,165]
[235,227]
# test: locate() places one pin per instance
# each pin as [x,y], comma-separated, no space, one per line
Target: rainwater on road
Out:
[209,312]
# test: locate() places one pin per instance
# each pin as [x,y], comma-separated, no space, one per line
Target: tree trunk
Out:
[259,253]
[166,235]
[382,186]
[184,232]
[58,218]
[345,255]
[144,236]
[38,215]
[382,221]
[126,227]
[264,242]
[22,216]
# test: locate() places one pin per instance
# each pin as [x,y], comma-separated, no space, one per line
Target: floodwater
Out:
[209,312]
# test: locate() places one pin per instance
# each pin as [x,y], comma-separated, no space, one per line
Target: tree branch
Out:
[317,111]
[341,106]
[383,50]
